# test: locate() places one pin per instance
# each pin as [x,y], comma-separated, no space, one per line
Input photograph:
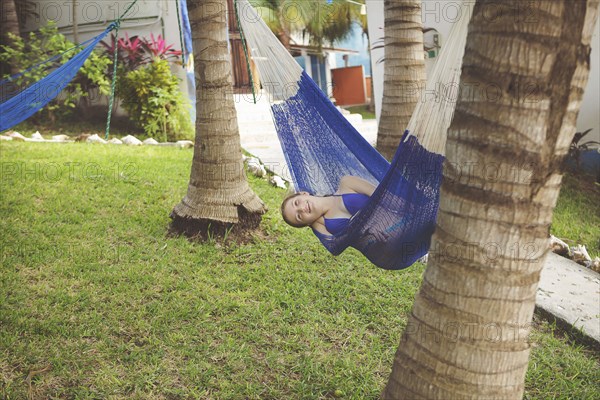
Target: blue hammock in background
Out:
[19,104]
[394,229]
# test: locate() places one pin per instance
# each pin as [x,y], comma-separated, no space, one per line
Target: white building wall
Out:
[330,63]
[376,34]
[589,113]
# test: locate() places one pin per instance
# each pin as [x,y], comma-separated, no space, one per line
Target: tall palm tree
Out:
[218,195]
[467,333]
[10,24]
[320,21]
[404,71]
[75,17]
[283,17]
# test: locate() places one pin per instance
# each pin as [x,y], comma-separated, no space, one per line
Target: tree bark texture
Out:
[404,71]
[9,19]
[218,190]
[524,73]
[10,24]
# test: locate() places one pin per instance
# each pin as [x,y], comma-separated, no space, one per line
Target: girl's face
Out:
[300,210]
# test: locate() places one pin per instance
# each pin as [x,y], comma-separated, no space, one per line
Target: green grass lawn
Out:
[362,110]
[577,213]
[97,301]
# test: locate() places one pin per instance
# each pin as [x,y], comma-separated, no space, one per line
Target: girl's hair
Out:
[283,204]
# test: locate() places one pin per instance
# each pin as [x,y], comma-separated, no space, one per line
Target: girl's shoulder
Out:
[353,184]
[319,226]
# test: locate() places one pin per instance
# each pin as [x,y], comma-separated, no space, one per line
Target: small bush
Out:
[151,96]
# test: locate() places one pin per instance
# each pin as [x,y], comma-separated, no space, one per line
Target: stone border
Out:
[127,140]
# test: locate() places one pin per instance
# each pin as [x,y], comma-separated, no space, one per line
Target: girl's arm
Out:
[349,184]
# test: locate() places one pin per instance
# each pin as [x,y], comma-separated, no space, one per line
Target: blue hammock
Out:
[21,104]
[394,229]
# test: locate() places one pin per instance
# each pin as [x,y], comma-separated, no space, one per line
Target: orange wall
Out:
[349,86]
[368,87]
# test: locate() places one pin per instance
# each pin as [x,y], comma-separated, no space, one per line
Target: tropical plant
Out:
[131,52]
[218,198]
[332,22]
[467,334]
[576,148]
[151,96]
[30,56]
[148,89]
[319,21]
[158,48]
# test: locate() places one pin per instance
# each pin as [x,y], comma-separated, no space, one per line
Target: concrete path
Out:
[567,291]
[571,293]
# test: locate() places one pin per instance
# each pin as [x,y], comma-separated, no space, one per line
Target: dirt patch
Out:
[202,230]
[584,183]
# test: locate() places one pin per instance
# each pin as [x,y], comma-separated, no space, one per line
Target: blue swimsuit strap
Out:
[354,202]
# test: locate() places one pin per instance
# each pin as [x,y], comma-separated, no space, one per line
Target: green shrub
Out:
[23,54]
[151,96]
[147,87]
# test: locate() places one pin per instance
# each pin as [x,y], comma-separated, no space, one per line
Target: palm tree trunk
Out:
[10,24]
[75,22]
[218,194]
[10,20]
[404,71]
[467,335]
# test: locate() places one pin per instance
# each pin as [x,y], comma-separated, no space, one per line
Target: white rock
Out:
[37,136]
[184,144]
[258,170]
[16,136]
[115,141]
[559,247]
[255,167]
[424,259]
[594,265]
[131,140]
[150,141]
[5,138]
[95,139]
[60,138]
[580,254]
[278,181]
[343,111]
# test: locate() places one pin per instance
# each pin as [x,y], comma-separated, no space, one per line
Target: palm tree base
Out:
[204,229]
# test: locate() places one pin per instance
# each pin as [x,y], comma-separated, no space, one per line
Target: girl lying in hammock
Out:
[328,215]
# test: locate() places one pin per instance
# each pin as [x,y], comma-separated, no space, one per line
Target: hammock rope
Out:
[113,84]
[243,39]
[177,5]
[321,146]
